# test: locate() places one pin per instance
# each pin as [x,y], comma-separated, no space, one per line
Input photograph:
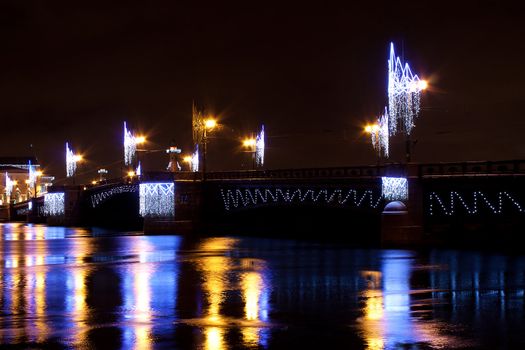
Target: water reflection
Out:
[214,267]
[62,288]
[255,290]
[222,276]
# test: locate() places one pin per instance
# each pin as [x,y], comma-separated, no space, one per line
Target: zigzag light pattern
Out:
[253,196]
[99,198]
[157,199]
[477,198]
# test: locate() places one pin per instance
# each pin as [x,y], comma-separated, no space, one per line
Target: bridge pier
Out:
[66,210]
[185,216]
[402,218]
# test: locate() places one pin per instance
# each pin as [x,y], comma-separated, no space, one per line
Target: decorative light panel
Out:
[394,188]
[157,199]
[54,204]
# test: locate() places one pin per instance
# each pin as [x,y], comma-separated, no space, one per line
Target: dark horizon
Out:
[313,75]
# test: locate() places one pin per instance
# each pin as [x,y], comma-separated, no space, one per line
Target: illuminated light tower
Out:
[404,97]
[72,161]
[260,148]
[173,152]
[130,146]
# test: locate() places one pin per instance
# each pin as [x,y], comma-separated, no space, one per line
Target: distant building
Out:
[20,179]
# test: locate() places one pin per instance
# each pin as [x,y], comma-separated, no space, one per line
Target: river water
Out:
[64,288]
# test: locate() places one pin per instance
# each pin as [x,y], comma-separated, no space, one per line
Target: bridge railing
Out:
[510,167]
[306,173]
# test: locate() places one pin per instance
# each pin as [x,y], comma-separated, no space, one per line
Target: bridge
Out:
[393,203]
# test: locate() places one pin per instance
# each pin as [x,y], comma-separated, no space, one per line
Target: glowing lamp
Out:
[139,140]
[187,159]
[249,142]
[210,123]
[131,173]
[423,85]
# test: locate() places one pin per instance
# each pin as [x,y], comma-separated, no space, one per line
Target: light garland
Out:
[195,159]
[54,204]
[100,197]
[9,184]
[477,196]
[130,146]
[380,135]
[31,175]
[404,90]
[259,147]
[71,162]
[394,188]
[157,199]
[253,196]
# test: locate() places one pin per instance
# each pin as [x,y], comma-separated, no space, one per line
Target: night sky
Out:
[313,74]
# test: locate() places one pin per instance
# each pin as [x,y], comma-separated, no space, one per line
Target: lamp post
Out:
[373,131]
[209,125]
[77,159]
[250,144]
[188,160]
[139,140]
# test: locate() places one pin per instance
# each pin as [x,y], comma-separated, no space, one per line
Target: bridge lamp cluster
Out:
[71,161]
[404,101]
[379,134]
[257,146]
[130,145]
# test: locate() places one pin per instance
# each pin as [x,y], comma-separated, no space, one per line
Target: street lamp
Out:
[188,160]
[373,130]
[250,144]
[209,125]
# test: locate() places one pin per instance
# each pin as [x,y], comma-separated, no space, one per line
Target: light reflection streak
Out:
[137,292]
[214,270]
[76,301]
[142,312]
[255,296]
[388,319]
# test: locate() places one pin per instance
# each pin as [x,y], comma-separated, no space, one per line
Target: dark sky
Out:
[314,74]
